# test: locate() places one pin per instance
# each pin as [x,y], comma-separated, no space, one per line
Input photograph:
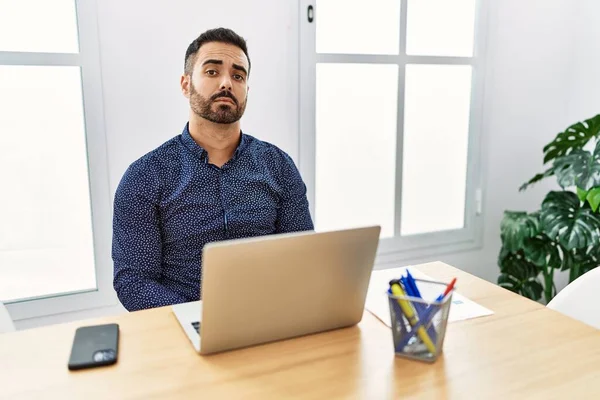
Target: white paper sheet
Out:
[377,301]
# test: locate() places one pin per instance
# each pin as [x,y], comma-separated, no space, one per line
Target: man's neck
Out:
[219,140]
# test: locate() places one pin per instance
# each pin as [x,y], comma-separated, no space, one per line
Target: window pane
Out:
[436,134]
[355,146]
[46,230]
[38,26]
[440,27]
[358,27]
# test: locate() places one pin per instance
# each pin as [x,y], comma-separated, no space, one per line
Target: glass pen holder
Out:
[419,324]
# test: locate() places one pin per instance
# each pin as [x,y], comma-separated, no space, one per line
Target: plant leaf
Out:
[586,262]
[568,259]
[533,290]
[593,197]
[582,194]
[579,168]
[519,275]
[508,282]
[574,137]
[516,227]
[516,265]
[581,261]
[567,167]
[549,172]
[541,251]
[564,220]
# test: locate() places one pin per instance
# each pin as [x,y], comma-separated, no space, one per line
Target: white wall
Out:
[541,75]
[585,97]
[528,89]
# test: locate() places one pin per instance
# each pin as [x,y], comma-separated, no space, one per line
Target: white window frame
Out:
[414,246]
[88,59]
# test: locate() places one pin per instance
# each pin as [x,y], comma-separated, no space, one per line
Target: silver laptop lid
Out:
[259,290]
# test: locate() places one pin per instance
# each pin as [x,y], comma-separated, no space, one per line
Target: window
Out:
[390,108]
[54,234]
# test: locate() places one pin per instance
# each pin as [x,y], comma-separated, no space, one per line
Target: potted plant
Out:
[565,233]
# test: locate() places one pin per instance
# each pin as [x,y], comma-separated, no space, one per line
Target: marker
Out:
[410,315]
[410,287]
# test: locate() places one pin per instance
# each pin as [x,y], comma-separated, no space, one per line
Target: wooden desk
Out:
[523,351]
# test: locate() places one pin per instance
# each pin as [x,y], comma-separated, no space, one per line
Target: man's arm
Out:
[294,214]
[137,243]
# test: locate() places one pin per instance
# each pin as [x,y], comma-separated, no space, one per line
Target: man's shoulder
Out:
[147,172]
[275,160]
[156,159]
[268,151]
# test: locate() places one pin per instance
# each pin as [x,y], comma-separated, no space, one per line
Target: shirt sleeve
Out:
[137,243]
[294,213]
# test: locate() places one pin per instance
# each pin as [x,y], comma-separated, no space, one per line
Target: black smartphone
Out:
[94,346]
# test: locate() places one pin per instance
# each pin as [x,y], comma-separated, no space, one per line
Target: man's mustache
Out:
[224,94]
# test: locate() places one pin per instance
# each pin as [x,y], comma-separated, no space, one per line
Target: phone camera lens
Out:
[99,356]
[104,355]
[109,355]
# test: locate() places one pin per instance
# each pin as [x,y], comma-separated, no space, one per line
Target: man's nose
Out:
[226,83]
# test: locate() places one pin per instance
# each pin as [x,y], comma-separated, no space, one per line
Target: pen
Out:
[412,282]
[448,289]
[410,286]
[410,315]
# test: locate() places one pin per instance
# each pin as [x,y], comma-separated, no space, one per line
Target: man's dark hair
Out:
[222,35]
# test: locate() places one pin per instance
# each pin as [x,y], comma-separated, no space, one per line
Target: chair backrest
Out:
[579,300]
[6,323]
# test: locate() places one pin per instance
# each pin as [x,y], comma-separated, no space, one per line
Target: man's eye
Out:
[211,72]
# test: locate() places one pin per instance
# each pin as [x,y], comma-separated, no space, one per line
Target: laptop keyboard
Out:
[196,326]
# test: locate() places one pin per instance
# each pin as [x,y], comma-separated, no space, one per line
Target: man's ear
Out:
[185,82]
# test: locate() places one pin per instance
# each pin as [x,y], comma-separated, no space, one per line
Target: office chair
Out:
[6,323]
[579,299]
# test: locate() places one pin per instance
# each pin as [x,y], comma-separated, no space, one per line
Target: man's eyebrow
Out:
[220,62]
[211,61]
[240,68]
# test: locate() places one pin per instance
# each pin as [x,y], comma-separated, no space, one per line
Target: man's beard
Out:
[225,113]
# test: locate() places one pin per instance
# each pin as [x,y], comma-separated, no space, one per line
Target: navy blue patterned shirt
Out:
[171,202]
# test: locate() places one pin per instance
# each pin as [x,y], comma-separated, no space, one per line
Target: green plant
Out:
[565,233]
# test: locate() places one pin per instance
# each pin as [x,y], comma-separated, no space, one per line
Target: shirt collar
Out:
[201,153]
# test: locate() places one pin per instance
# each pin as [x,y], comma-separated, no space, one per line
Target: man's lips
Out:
[225,99]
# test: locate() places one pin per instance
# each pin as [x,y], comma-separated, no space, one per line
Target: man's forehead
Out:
[221,51]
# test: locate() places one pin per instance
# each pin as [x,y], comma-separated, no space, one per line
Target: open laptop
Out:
[268,288]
